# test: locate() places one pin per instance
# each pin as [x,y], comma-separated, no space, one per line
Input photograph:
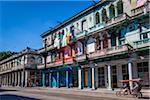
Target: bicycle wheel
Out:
[139,95]
[118,93]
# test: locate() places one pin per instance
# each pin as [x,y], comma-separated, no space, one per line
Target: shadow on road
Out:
[5,90]
[145,98]
[15,97]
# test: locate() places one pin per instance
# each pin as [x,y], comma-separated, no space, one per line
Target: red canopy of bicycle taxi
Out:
[133,80]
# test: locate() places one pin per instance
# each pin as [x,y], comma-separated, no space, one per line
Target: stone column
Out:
[18,78]
[106,76]
[22,78]
[26,78]
[109,77]
[130,74]
[100,15]
[102,45]
[79,79]
[67,79]
[93,77]
[117,41]
[43,79]
[116,11]
[107,11]
[109,42]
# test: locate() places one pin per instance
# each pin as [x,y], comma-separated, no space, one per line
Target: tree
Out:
[5,54]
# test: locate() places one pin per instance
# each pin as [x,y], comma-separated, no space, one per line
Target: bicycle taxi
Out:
[135,92]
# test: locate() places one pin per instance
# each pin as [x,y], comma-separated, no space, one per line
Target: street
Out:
[37,94]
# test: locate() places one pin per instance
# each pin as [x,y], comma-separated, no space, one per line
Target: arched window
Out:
[111,11]
[97,18]
[104,15]
[120,7]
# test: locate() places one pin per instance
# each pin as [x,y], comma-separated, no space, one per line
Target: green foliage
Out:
[5,54]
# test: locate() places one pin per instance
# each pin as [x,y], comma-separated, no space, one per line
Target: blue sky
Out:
[22,22]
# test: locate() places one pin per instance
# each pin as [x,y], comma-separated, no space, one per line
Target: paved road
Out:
[23,94]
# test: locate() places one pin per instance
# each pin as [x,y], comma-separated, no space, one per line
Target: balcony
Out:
[48,48]
[81,34]
[116,49]
[80,58]
[112,50]
[97,53]
[96,28]
[117,19]
[140,10]
[40,66]
[68,60]
[142,43]
[58,62]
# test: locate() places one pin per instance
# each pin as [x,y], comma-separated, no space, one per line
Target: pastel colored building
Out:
[107,42]
[99,46]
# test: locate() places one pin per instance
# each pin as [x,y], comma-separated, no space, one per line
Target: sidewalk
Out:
[75,91]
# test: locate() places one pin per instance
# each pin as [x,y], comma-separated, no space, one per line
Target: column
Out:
[116,11]
[22,78]
[89,77]
[100,15]
[109,42]
[18,78]
[58,79]
[50,79]
[43,78]
[109,77]
[102,45]
[79,79]
[26,78]
[93,77]
[67,79]
[117,41]
[107,11]
[130,74]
